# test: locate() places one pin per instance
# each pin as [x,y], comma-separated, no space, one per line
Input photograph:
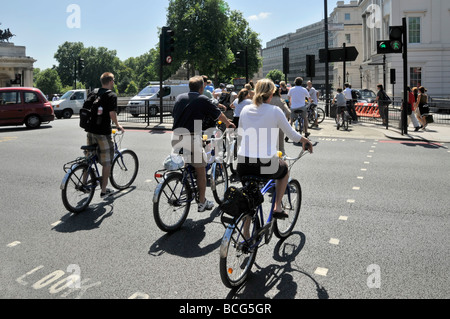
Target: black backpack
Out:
[225,99]
[242,200]
[88,114]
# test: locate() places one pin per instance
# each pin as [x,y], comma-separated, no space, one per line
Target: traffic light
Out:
[395,42]
[240,59]
[310,66]
[286,63]
[167,45]
[396,37]
[80,65]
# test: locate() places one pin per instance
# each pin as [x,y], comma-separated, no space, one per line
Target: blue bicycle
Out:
[247,232]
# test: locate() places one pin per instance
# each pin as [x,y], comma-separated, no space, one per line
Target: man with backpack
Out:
[102,109]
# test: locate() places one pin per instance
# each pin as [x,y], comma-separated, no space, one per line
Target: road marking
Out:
[369,156]
[367,163]
[344,218]
[371,151]
[360,177]
[351,201]
[148,181]
[363,169]
[334,241]
[56,224]
[321,271]
[356,188]
[13,244]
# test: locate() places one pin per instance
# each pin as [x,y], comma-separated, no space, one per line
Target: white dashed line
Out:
[334,241]
[321,271]
[343,218]
[13,244]
[360,177]
[351,201]
[356,188]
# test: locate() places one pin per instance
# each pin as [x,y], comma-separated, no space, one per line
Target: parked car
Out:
[136,106]
[69,104]
[19,106]
[365,96]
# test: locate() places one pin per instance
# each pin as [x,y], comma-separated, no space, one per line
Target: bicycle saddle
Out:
[90,148]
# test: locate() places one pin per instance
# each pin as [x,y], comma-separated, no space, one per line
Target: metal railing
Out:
[147,113]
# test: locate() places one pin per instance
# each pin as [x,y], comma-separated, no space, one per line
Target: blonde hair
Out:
[263,91]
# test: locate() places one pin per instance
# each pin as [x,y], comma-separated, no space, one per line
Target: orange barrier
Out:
[367,110]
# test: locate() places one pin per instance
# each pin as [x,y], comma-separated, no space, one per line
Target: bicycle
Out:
[246,233]
[83,175]
[177,188]
[315,113]
[342,118]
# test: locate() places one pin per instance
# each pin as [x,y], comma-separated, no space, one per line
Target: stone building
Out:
[15,65]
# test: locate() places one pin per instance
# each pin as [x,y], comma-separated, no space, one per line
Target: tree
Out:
[275,75]
[132,89]
[48,82]
[66,55]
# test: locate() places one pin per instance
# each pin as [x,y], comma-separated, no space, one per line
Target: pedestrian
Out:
[422,105]
[189,112]
[100,133]
[383,103]
[297,100]
[350,105]
[284,91]
[218,92]
[209,86]
[412,110]
[251,89]
[281,103]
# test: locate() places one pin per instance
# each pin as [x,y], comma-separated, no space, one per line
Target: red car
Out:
[19,106]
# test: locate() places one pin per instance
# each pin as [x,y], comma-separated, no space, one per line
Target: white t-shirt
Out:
[238,107]
[313,94]
[298,95]
[259,129]
[348,93]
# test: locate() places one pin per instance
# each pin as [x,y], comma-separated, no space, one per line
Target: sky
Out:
[131,27]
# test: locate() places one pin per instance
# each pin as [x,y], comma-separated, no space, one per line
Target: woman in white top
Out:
[259,126]
[238,105]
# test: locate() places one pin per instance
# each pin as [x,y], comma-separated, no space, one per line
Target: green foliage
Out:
[275,75]
[48,82]
[132,89]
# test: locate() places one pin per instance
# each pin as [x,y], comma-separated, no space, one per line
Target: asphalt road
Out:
[374,225]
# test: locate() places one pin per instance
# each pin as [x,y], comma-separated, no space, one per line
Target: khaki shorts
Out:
[105,146]
[193,151]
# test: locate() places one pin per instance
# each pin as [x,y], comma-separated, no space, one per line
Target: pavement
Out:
[434,133]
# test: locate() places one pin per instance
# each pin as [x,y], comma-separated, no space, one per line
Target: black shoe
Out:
[108,193]
[307,134]
[417,129]
[286,139]
[280,215]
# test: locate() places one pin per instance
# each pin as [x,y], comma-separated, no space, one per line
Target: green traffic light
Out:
[396,45]
[383,46]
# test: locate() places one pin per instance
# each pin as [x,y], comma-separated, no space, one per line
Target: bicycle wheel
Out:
[219,181]
[79,189]
[292,202]
[124,170]
[320,115]
[237,254]
[171,207]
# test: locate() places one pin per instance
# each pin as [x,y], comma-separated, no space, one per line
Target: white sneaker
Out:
[207,205]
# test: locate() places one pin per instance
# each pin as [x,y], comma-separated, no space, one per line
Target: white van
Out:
[136,106]
[69,104]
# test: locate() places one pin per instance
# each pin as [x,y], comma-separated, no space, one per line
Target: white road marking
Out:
[13,244]
[334,241]
[321,271]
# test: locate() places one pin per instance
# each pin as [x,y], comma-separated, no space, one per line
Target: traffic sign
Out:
[169,60]
[349,54]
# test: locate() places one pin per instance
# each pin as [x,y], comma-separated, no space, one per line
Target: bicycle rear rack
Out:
[79,160]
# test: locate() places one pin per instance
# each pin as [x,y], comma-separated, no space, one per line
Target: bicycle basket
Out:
[174,162]
[242,200]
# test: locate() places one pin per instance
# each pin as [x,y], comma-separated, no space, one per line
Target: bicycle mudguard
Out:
[68,172]
[160,185]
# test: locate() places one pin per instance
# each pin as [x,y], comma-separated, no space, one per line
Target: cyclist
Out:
[298,96]
[341,104]
[189,112]
[100,132]
[259,126]
[315,101]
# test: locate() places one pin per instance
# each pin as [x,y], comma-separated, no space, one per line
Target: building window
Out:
[347,16]
[348,38]
[414,30]
[416,77]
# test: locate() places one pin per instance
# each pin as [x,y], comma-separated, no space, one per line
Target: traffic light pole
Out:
[161,65]
[327,65]
[405,79]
